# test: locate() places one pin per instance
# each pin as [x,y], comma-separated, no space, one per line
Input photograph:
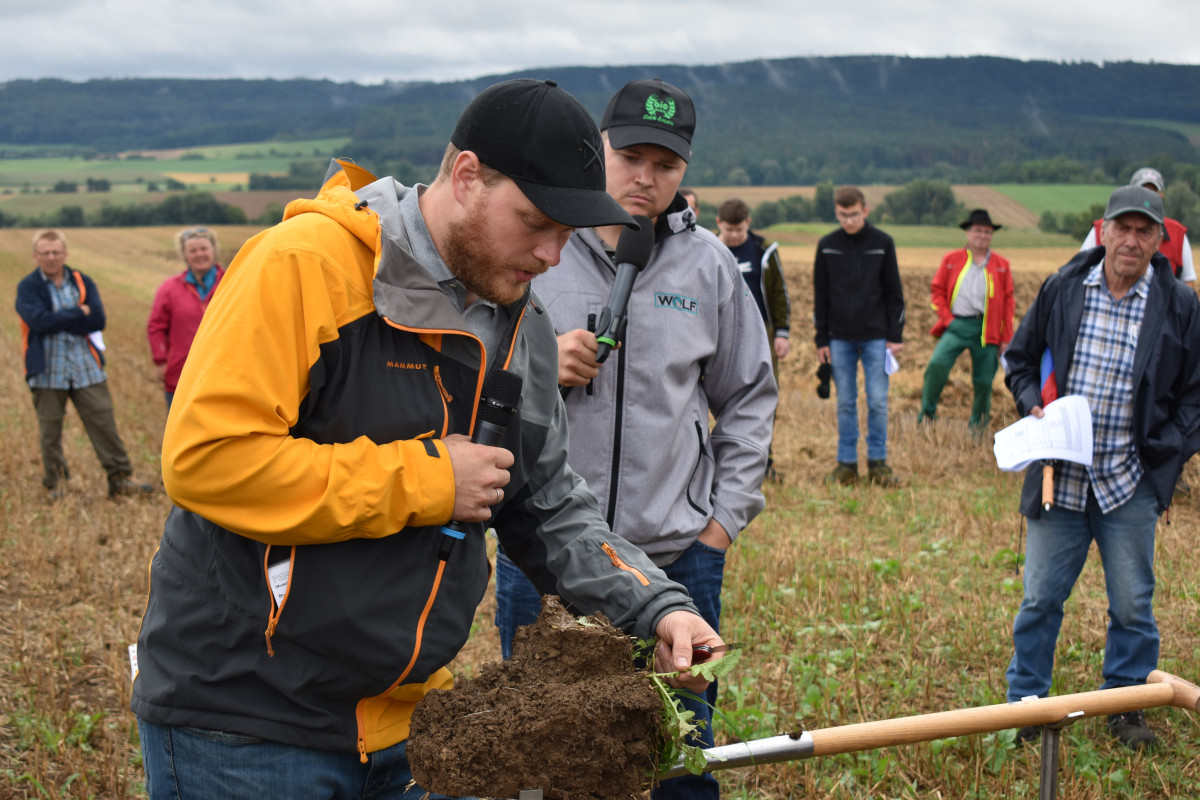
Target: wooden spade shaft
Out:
[1160,689]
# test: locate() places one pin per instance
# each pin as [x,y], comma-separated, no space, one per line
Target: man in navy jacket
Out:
[61,320]
[1119,330]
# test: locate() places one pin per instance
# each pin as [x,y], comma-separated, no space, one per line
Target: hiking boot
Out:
[1028,733]
[55,493]
[844,474]
[880,474]
[126,487]
[1131,730]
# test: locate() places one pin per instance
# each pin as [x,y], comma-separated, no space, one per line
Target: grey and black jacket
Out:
[693,346]
[307,431]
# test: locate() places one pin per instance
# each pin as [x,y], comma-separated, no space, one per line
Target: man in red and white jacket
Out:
[1175,245]
[972,294]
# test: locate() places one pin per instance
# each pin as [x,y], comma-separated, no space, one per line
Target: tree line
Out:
[852,119]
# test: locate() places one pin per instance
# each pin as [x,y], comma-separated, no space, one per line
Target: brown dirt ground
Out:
[568,714]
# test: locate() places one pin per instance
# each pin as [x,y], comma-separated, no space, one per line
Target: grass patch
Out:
[1058,197]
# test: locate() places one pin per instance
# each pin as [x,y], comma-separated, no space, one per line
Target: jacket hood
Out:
[369,208]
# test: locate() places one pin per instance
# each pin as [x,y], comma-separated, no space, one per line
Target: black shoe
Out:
[880,474]
[1131,730]
[125,487]
[844,474]
[55,493]
[1029,733]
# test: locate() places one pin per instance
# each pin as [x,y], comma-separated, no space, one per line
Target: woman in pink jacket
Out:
[179,305]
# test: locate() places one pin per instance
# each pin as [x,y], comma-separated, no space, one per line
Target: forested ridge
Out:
[875,119]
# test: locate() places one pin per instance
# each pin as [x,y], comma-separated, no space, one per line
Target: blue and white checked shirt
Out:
[1102,371]
[69,361]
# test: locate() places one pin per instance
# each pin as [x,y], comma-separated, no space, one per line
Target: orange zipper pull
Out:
[437,378]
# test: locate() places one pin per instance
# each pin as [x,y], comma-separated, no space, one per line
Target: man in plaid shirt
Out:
[61,320]
[1117,325]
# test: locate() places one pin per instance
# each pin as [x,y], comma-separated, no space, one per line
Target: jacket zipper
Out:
[361,743]
[618,418]
[696,466]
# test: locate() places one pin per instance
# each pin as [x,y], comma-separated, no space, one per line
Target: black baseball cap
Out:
[541,138]
[651,112]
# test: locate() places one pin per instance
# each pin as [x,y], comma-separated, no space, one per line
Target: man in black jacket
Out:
[1115,327]
[858,310]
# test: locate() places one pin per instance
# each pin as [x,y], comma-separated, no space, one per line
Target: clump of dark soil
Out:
[568,714]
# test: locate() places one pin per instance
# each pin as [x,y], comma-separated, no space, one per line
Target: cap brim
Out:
[622,136]
[575,208]
[1116,212]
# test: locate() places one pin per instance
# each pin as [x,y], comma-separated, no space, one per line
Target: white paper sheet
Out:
[1064,433]
[890,364]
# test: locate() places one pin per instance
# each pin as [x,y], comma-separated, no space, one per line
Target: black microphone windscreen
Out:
[501,396]
[634,247]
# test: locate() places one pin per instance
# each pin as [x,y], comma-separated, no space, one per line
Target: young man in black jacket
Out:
[858,311]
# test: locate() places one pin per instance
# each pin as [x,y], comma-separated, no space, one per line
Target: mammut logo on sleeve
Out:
[676,301]
[406,365]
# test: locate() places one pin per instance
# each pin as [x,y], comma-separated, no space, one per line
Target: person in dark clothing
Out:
[858,311]
[762,269]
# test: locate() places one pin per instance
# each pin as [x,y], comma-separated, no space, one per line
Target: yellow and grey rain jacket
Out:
[304,447]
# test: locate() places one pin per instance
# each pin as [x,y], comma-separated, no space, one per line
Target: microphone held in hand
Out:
[633,253]
[497,406]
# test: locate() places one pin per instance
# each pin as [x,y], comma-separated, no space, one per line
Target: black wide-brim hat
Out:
[542,139]
[980,217]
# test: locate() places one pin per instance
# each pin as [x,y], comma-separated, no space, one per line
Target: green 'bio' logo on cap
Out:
[660,109]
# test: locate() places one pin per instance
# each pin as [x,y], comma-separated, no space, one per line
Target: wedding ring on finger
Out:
[499,495]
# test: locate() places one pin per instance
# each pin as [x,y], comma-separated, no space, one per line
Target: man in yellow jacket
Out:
[308,590]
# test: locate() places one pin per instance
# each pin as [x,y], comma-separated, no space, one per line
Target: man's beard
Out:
[472,262]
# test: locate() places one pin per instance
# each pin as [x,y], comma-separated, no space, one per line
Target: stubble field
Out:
[853,604]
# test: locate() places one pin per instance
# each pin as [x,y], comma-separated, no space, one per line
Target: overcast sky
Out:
[370,41]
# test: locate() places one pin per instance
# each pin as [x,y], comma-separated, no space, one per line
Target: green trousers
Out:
[963,334]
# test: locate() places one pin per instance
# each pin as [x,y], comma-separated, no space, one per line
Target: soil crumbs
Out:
[568,714]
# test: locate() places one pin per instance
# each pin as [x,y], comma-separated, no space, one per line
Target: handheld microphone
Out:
[497,405]
[633,253]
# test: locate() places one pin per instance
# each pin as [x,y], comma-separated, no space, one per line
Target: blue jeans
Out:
[189,764]
[844,357]
[1058,543]
[701,570]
